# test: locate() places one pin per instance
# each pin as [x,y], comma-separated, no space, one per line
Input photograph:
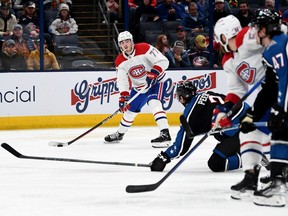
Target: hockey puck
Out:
[59,145]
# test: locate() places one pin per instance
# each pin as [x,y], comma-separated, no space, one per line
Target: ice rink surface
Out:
[52,188]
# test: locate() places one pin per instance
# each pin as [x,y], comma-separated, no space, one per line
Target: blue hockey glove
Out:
[123,99]
[151,78]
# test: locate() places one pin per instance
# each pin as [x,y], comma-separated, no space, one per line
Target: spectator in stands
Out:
[168,11]
[162,44]
[194,22]
[23,44]
[220,10]
[269,4]
[7,2]
[244,15]
[146,12]
[199,54]
[181,35]
[7,21]
[64,24]
[54,4]
[11,60]
[183,7]
[30,20]
[50,61]
[19,6]
[203,8]
[177,56]
[112,11]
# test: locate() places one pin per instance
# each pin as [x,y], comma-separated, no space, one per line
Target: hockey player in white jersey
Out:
[243,67]
[144,66]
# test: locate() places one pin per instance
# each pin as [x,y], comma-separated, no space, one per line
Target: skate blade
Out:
[112,142]
[165,144]
[245,195]
[273,201]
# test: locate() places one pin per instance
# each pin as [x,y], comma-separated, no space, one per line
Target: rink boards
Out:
[81,99]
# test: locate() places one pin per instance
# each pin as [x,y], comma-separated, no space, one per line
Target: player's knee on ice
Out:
[218,162]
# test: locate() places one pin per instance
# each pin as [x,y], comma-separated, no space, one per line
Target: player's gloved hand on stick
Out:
[123,99]
[159,163]
[219,119]
[278,120]
[247,124]
[151,78]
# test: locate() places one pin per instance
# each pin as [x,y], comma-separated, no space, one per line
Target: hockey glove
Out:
[123,99]
[151,78]
[277,120]
[159,163]
[219,119]
[247,124]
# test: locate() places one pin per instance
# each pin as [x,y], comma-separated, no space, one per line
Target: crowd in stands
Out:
[20,33]
[185,41]
[180,28]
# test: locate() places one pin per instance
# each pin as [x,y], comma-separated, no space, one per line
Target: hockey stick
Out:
[19,155]
[191,135]
[151,187]
[62,144]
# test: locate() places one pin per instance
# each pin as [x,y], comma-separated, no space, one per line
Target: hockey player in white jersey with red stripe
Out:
[144,66]
[243,66]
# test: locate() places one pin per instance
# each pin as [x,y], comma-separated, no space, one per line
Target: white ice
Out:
[51,188]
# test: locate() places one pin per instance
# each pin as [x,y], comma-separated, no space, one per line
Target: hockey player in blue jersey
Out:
[269,35]
[198,113]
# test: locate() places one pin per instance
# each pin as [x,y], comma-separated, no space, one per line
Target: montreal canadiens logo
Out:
[137,71]
[246,73]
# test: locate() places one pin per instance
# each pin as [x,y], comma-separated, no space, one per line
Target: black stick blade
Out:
[11,150]
[141,188]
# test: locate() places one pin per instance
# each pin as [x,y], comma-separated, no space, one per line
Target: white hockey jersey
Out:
[134,68]
[243,67]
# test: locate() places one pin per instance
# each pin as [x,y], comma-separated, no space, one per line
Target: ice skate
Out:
[163,141]
[246,188]
[274,194]
[115,137]
[266,179]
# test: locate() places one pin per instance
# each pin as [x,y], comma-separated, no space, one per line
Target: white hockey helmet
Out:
[228,26]
[124,36]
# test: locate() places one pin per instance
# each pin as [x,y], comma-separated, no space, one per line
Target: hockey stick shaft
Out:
[19,155]
[60,144]
[191,135]
[151,187]
[239,102]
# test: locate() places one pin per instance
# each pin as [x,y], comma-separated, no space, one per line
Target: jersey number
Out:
[216,99]
[278,61]
[153,52]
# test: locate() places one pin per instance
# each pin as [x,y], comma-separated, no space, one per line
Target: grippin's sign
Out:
[83,93]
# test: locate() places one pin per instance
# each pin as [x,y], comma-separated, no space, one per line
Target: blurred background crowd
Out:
[82,35]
